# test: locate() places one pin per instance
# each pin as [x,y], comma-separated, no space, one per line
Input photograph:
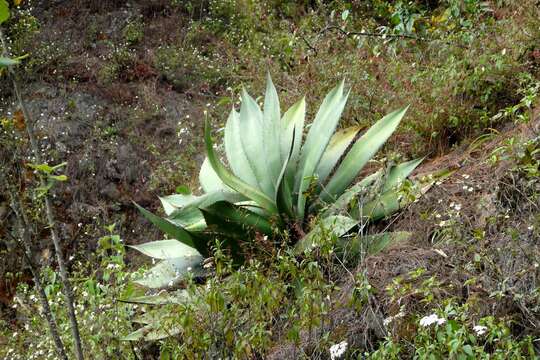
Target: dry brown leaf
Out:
[18,120]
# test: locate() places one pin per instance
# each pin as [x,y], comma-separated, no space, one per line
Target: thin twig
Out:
[311,47]
[372,34]
[66,286]
[25,239]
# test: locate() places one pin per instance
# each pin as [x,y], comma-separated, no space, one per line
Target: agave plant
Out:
[274,181]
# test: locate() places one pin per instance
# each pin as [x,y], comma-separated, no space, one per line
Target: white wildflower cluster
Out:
[431,319]
[337,350]
[468,187]
[455,206]
[453,214]
[480,330]
[113,266]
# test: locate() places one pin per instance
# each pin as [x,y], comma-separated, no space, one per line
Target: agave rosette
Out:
[274,179]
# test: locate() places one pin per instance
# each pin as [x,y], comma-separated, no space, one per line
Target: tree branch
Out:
[25,239]
[66,286]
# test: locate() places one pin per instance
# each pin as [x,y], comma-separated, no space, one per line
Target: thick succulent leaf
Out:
[158,332]
[233,181]
[337,225]
[292,129]
[162,298]
[317,140]
[271,102]
[234,149]
[170,272]
[370,244]
[222,195]
[252,206]
[382,206]
[166,249]
[137,334]
[247,219]
[272,133]
[399,173]
[230,233]
[152,332]
[396,175]
[173,203]
[173,230]
[291,143]
[5,62]
[338,144]
[150,317]
[390,200]
[284,200]
[360,153]
[209,180]
[190,218]
[283,197]
[256,144]
[341,205]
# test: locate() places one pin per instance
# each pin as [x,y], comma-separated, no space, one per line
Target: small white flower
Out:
[431,319]
[479,329]
[530,228]
[337,350]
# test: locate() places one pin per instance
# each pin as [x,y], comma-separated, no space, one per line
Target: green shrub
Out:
[186,67]
[97,285]
[133,32]
[452,333]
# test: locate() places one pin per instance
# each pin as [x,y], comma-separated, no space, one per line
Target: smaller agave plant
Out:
[275,181]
